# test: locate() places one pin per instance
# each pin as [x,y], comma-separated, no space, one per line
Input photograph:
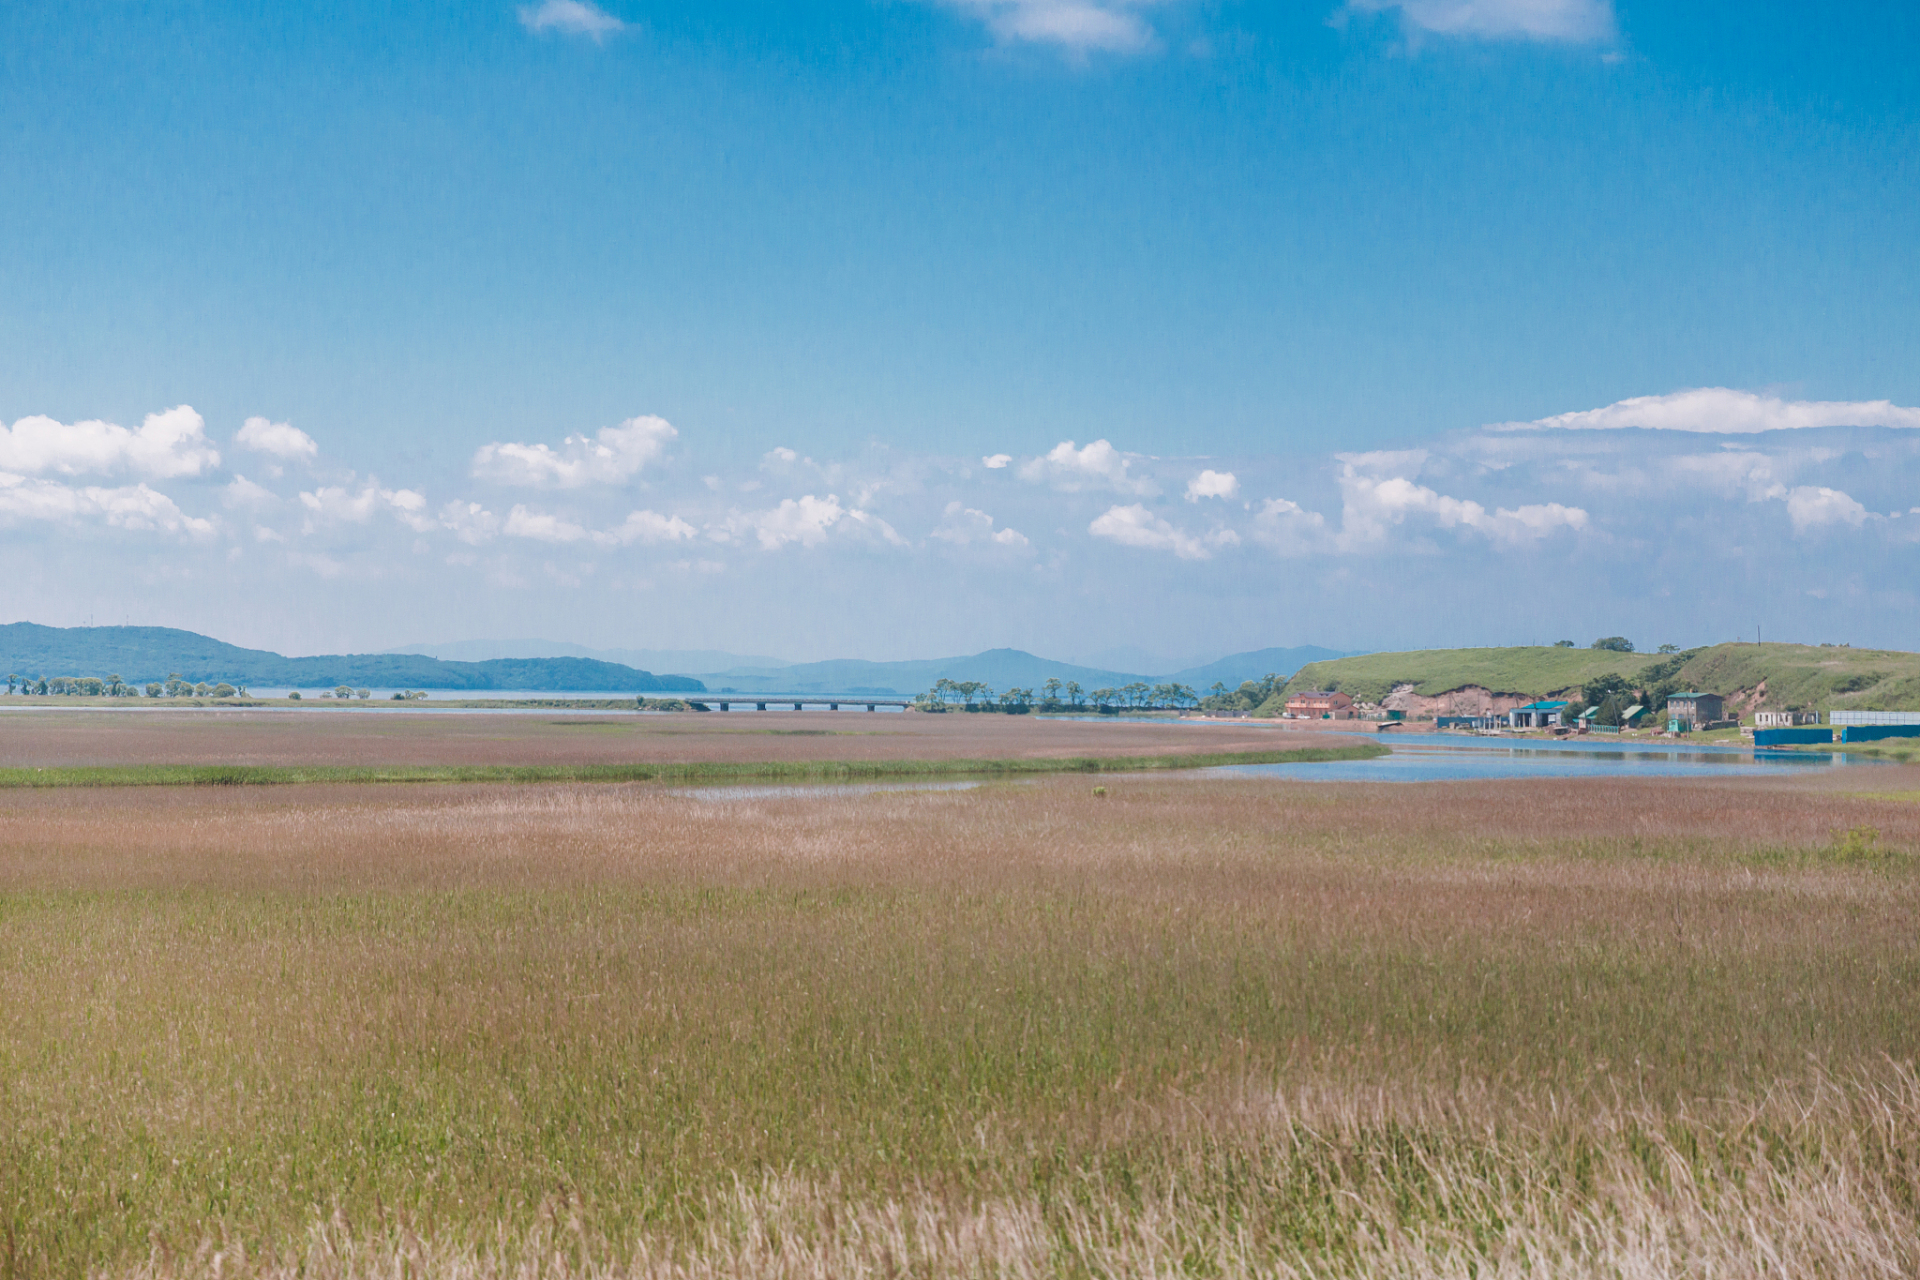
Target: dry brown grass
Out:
[1417,1188]
[369,737]
[1192,1027]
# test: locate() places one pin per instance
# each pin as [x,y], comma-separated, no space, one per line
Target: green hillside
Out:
[1530,669]
[1811,677]
[1795,677]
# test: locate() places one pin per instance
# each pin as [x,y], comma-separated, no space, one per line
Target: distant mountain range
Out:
[687,661]
[142,654]
[1000,668]
[997,667]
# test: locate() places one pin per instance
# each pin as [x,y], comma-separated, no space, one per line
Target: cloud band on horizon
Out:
[1722,410]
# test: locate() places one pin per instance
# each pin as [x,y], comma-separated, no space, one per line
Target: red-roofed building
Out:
[1320,704]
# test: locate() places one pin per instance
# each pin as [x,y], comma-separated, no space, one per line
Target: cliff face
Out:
[1473,700]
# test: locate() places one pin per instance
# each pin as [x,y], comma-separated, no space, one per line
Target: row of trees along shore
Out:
[1067,695]
[174,686]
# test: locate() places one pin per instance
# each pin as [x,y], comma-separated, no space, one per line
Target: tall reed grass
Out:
[1227,1028]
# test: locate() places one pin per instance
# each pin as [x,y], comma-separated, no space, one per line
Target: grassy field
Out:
[1218,1028]
[40,739]
[686,774]
[1784,676]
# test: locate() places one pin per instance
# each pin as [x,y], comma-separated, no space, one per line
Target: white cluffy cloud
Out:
[806,521]
[995,461]
[470,522]
[571,17]
[244,494]
[166,445]
[134,507]
[1097,466]
[1077,26]
[1575,21]
[1213,484]
[1721,410]
[1135,526]
[647,528]
[962,525]
[522,523]
[279,439]
[1373,503]
[336,505]
[1813,506]
[1289,528]
[473,524]
[613,456]
[1731,473]
[802,520]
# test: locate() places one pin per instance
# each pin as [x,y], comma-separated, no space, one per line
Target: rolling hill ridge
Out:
[142,654]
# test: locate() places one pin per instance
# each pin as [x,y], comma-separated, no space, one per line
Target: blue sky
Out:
[698,325]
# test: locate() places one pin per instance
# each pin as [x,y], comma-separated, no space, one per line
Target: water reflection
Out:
[1433,757]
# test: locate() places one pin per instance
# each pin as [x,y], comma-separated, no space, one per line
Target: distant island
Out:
[141,655]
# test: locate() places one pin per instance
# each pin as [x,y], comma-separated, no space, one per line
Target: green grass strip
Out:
[162,775]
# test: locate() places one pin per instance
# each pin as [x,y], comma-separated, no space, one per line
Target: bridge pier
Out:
[833,706]
[796,706]
[726,706]
[759,706]
[869,706]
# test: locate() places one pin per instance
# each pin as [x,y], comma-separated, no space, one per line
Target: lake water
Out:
[1434,757]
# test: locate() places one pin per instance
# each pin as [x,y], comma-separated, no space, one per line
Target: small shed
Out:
[1695,708]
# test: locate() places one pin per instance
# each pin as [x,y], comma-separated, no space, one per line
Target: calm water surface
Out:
[1429,757]
[1435,757]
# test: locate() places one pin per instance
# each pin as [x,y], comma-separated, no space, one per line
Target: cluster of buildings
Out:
[1685,713]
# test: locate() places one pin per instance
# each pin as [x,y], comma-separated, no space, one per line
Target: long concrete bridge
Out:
[832,702]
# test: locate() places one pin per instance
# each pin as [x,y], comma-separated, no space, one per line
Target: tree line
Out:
[1068,696]
[1613,695]
[1055,696]
[113,686]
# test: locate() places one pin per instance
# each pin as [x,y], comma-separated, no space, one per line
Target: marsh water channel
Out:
[1440,757]
[1429,757]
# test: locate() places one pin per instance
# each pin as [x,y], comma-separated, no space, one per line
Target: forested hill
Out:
[141,654]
